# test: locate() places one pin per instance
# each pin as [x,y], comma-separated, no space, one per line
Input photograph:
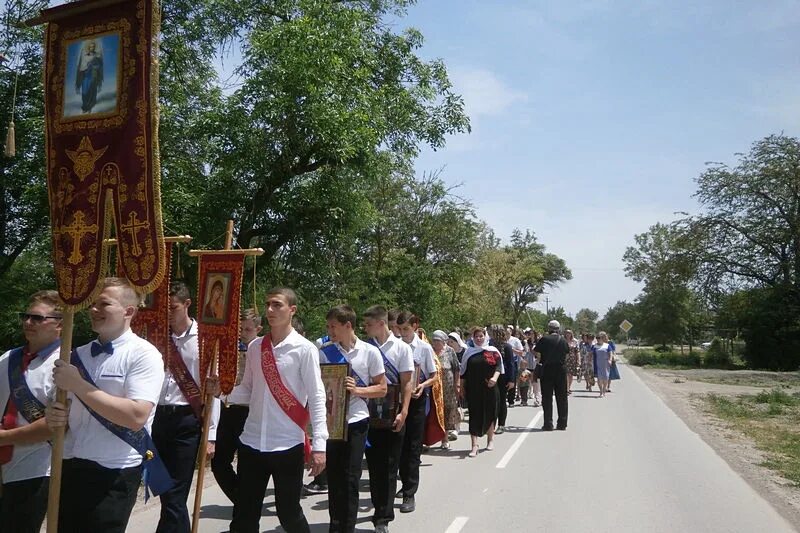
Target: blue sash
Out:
[334,355]
[155,474]
[27,404]
[392,374]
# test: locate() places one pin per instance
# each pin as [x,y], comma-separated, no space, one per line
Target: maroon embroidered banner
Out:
[151,320]
[101,109]
[220,287]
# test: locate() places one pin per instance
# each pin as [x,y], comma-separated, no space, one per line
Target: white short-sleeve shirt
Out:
[366,362]
[399,353]
[135,371]
[423,356]
[30,461]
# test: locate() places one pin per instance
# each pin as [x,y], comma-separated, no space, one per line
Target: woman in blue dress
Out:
[89,78]
[602,362]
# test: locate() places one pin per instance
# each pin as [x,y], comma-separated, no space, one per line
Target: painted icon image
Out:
[90,81]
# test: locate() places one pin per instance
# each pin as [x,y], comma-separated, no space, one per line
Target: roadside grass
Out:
[753,378]
[771,419]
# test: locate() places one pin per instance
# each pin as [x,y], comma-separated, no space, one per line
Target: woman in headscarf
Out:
[449,369]
[499,339]
[481,367]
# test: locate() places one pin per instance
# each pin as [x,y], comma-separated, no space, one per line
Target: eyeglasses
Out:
[36,319]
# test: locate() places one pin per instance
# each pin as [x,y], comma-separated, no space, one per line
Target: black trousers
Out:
[502,405]
[231,424]
[95,498]
[412,446]
[23,505]
[554,380]
[511,394]
[255,469]
[343,464]
[383,461]
[176,433]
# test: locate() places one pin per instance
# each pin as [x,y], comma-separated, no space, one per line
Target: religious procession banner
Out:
[101,108]
[220,282]
[151,321]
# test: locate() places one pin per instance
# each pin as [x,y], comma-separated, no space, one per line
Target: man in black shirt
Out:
[552,350]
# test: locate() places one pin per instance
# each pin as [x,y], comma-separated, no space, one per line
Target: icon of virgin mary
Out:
[89,78]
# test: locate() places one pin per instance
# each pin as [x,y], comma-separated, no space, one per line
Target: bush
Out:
[716,356]
[656,358]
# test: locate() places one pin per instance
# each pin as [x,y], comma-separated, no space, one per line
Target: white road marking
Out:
[520,439]
[457,525]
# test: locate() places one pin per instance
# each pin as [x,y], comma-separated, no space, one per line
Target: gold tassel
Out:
[255,292]
[178,269]
[11,141]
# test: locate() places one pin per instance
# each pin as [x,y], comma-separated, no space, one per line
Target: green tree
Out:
[585,321]
[615,315]
[534,271]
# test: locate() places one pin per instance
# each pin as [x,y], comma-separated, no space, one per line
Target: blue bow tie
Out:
[98,348]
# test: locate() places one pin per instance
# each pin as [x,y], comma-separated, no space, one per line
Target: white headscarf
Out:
[480,349]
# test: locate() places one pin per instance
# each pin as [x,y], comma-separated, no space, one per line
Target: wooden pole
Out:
[54,494]
[207,409]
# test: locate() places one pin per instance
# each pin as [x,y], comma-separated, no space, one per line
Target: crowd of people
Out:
[135,414]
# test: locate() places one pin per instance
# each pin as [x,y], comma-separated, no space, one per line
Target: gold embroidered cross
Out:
[76,231]
[133,226]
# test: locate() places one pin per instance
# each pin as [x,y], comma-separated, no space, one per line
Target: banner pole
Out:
[54,493]
[207,409]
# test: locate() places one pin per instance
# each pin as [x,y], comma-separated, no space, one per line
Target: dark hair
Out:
[474,329]
[391,315]
[342,314]
[407,316]
[180,290]
[377,312]
[286,292]
[297,324]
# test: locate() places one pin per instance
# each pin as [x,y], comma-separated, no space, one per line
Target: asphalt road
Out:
[626,463]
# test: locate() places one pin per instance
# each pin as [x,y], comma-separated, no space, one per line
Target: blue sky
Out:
[591,119]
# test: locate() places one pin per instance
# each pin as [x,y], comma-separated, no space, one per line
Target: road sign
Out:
[625,326]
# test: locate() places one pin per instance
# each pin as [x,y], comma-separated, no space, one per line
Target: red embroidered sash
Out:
[186,383]
[286,400]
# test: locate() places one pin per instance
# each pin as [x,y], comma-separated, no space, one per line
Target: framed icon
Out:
[383,411]
[217,293]
[337,398]
[92,77]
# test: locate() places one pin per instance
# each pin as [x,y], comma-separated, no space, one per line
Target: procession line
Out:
[520,439]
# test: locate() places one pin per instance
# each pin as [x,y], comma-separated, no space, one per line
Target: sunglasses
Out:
[36,319]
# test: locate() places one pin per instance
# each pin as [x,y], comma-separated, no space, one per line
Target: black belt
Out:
[238,405]
[175,409]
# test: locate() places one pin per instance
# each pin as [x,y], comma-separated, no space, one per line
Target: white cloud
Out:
[484,93]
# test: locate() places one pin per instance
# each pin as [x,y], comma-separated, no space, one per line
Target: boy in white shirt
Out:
[101,471]
[408,323]
[25,388]
[281,377]
[366,380]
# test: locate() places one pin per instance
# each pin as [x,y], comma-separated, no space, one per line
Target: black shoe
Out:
[314,488]
[399,494]
[381,528]
[408,505]
[561,428]
[547,428]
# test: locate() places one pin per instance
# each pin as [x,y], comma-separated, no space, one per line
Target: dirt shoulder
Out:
[683,391]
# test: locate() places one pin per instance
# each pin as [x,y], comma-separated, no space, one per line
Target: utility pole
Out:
[547,305]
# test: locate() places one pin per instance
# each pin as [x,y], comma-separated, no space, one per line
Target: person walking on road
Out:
[573,359]
[553,349]
[448,362]
[587,360]
[602,362]
[499,339]
[480,370]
